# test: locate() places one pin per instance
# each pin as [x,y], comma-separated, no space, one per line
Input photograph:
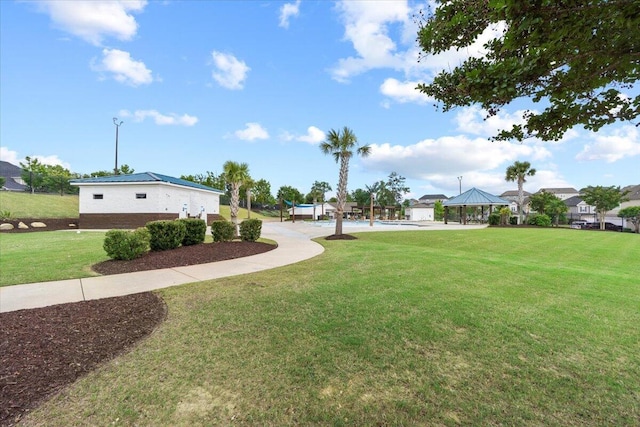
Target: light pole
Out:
[115,122]
[460,184]
[371,210]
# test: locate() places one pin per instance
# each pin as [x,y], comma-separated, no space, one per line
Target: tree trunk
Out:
[233,206]
[520,199]
[342,192]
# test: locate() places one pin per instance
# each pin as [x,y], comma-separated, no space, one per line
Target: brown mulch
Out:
[341,237]
[43,350]
[184,255]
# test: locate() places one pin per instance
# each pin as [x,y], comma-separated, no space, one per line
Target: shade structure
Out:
[473,197]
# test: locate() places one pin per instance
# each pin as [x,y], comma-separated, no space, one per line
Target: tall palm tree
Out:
[236,174]
[341,145]
[517,172]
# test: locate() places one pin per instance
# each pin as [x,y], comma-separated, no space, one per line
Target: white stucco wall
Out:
[161,198]
[420,214]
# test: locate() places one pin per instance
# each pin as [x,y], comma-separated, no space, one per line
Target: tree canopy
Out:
[574,59]
[603,198]
[631,214]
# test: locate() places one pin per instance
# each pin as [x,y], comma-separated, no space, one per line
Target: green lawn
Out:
[478,327]
[27,205]
[49,255]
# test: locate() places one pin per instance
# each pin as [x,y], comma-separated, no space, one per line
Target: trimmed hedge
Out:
[126,245]
[223,231]
[166,234]
[195,230]
[250,230]
[494,219]
[541,220]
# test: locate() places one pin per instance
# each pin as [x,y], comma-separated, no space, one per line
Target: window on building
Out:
[141,195]
[98,196]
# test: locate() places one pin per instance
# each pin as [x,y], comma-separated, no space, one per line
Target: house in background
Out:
[579,209]
[310,211]
[512,196]
[13,177]
[432,198]
[130,201]
[561,193]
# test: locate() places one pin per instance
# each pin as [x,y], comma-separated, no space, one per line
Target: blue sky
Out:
[199,83]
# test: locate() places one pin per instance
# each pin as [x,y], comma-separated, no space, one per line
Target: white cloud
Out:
[94,20]
[159,118]
[10,156]
[403,92]
[474,120]
[616,145]
[313,136]
[287,11]
[449,154]
[383,36]
[230,72]
[252,132]
[123,68]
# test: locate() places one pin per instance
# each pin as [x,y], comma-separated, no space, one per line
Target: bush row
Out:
[165,235]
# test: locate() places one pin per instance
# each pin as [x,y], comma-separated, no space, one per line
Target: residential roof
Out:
[573,201]
[475,197]
[10,171]
[560,190]
[512,193]
[634,191]
[434,197]
[141,178]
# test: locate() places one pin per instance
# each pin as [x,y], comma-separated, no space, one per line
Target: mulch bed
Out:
[184,255]
[341,237]
[43,350]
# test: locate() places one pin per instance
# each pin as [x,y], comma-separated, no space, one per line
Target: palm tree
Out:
[341,146]
[517,172]
[236,174]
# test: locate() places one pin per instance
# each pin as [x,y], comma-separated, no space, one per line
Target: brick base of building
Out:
[128,221]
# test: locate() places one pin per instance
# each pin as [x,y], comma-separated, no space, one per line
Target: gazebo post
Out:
[464,208]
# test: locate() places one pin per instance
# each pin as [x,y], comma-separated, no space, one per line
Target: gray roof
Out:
[142,177]
[434,197]
[634,191]
[573,201]
[559,190]
[511,193]
[475,197]
[10,171]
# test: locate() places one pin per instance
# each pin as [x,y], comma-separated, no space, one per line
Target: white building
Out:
[130,201]
[420,212]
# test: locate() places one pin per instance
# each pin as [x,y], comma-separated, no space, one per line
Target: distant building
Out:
[512,196]
[579,209]
[432,198]
[130,201]
[13,177]
[420,212]
[561,193]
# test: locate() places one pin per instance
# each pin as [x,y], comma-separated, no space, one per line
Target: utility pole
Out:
[460,184]
[115,122]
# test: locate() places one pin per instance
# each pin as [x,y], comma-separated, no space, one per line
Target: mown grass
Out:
[27,205]
[225,212]
[482,327]
[49,255]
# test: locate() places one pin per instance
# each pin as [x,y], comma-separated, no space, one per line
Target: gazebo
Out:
[472,198]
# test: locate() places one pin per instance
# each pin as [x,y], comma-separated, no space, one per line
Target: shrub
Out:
[166,234]
[494,219]
[250,230]
[195,230]
[6,215]
[513,220]
[541,220]
[222,231]
[126,245]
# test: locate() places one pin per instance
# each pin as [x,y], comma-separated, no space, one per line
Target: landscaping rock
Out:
[22,225]
[38,224]
[6,226]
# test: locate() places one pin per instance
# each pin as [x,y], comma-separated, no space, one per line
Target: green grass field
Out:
[26,205]
[482,327]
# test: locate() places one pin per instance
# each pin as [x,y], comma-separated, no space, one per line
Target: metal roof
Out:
[142,178]
[475,197]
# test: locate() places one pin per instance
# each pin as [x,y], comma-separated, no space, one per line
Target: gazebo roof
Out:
[475,197]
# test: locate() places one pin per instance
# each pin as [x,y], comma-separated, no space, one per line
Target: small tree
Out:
[604,199]
[631,214]
[518,172]
[236,174]
[438,210]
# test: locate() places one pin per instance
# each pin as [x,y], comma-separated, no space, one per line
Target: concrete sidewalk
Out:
[294,245]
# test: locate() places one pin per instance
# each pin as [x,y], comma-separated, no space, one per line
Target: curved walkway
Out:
[294,245]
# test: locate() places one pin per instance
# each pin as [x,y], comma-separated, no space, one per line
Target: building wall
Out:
[120,207]
[419,214]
